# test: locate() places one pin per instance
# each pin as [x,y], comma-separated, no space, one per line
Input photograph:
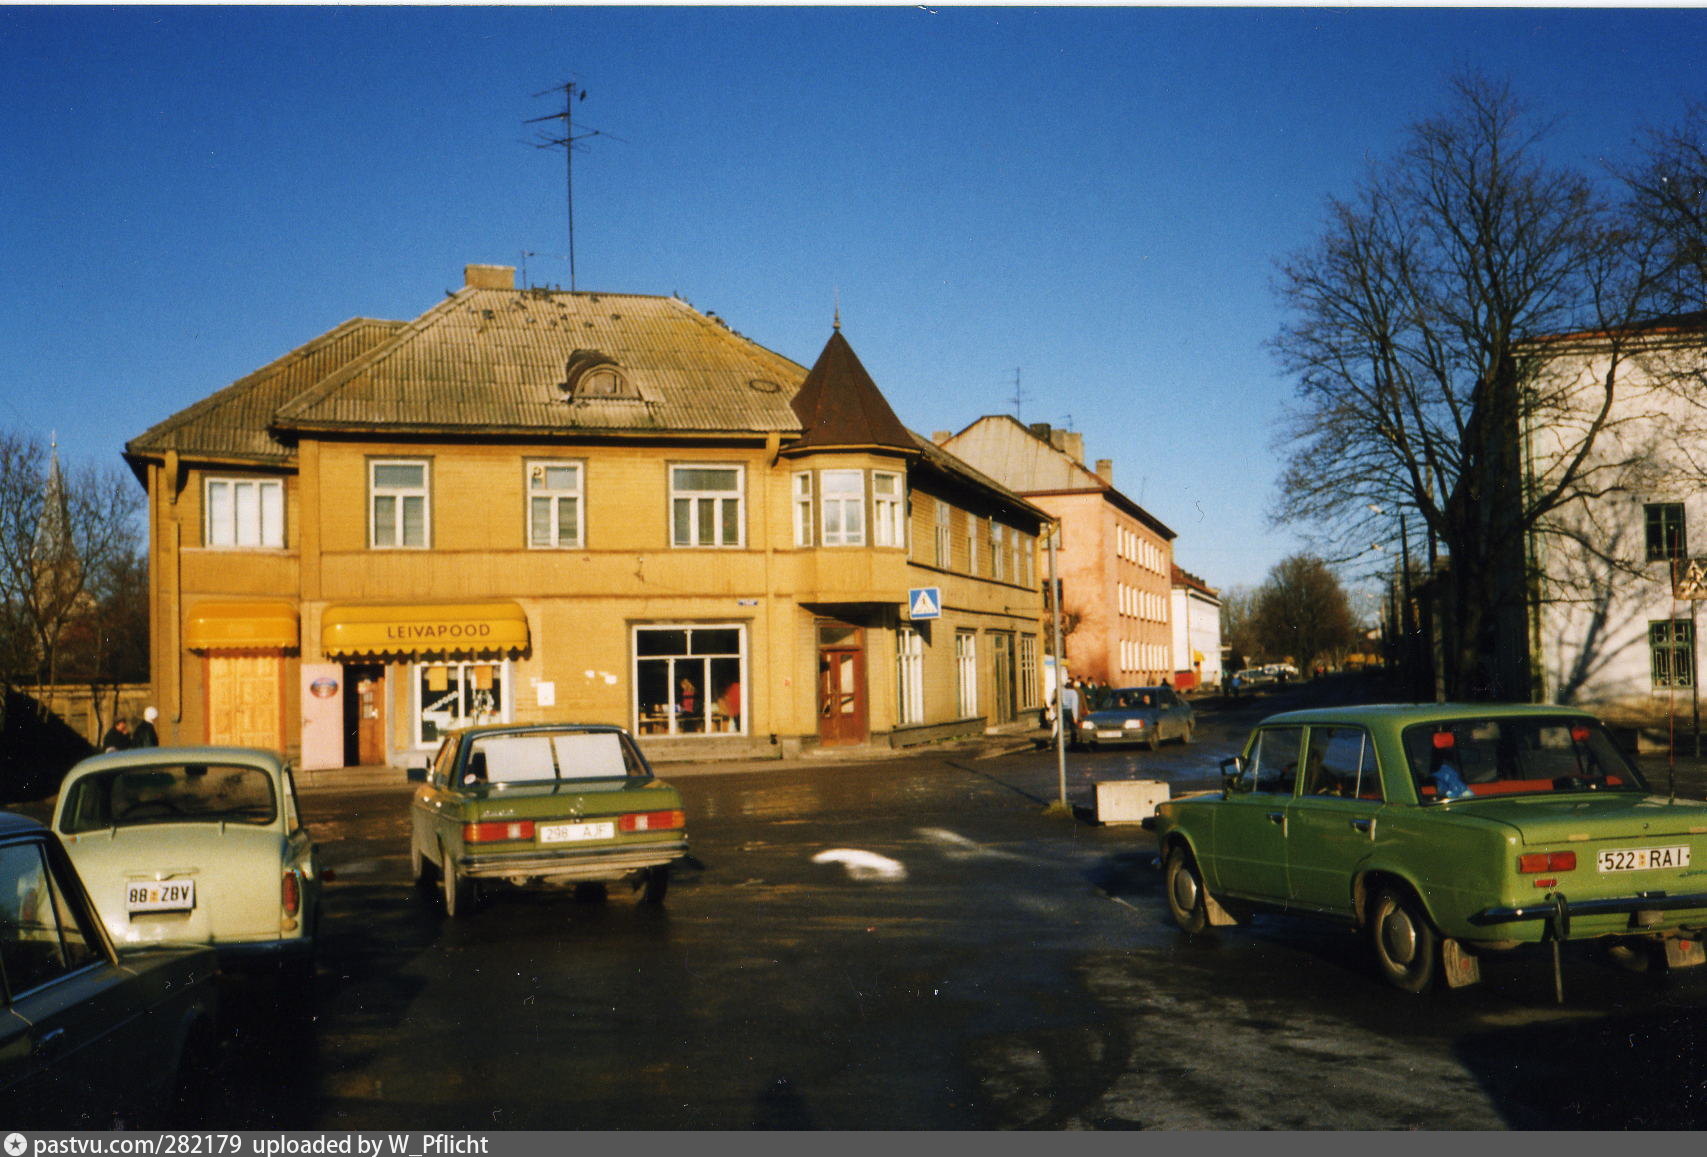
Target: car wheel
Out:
[1187,900]
[591,892]
[1153,740]
[1406,947]
[421,868]
[458,889]
[657,884]
[1188,733]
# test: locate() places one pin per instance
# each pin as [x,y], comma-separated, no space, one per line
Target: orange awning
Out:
[424,628]
[239,626]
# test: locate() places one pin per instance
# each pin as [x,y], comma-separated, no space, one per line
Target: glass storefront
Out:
[450,695]
[688,680]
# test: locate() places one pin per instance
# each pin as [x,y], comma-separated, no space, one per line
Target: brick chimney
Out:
[941,437]
[489,276]
[1105,470]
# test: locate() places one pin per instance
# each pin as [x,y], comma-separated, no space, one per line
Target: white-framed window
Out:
[1025,551]
[974,528]
[1028,678]
[966,672]
[803,508]
[842,503]
[998,551]
[888,527]
[688,679]
[241,512]
[707,505]
[910,675]
[554,505]
[944,540]
[398,511]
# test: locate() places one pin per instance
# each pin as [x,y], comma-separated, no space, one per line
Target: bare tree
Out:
[1301,611]
[1238,625]
[1411,338]
[1668,202]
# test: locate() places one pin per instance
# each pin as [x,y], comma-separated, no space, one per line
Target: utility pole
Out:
[571,93]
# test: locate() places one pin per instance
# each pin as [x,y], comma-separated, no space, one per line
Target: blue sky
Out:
[1092,198]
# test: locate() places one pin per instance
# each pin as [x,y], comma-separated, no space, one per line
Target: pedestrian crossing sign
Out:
[924,603]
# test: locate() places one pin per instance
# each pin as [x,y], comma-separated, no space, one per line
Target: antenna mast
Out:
[1019,395]
[571,93]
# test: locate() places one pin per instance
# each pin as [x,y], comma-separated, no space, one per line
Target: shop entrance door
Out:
[364,715]
[841,686]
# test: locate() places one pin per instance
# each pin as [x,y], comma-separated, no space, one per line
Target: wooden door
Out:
[244,700]
[370,718]
[841,695]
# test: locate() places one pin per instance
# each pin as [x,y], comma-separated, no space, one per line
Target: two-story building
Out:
[1196,613]
[531,504]
[1114,558]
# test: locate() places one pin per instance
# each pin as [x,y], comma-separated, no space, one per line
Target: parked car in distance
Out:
[543,803]
[91,1035]
[1444,832]
[1145,715]
[1255,676]
[202,844]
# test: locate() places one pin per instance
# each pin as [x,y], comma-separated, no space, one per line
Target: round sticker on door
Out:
[324,687]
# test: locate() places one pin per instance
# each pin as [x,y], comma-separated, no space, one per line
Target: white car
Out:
[197,844]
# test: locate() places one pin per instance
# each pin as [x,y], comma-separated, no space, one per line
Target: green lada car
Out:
[543,803]
[1445,832]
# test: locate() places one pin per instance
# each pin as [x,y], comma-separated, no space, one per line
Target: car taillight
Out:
[654,821]
[491,832]
[290,893]
[1531,862]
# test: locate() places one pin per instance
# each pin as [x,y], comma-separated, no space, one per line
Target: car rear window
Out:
[552,755]
[170,793]
[1516,755]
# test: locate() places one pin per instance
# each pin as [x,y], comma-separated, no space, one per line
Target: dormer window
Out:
[591,374]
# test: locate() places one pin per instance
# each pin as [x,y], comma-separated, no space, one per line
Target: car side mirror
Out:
[416,774]
[1233,774]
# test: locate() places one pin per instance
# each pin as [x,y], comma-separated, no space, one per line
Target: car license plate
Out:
[1641,859]
[160,896]
[562,833]
[1111,734]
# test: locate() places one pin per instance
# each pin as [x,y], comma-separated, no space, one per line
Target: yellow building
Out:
[529,504]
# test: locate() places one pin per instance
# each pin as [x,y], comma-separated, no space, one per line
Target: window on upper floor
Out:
[998,551]
[707,505]
[944,540]
[974,531]
[842,502]
[1665,531]
[243,512]
[888,525]
[803,508]
[554,504]
[398,508]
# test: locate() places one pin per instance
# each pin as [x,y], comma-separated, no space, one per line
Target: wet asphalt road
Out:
[920,945]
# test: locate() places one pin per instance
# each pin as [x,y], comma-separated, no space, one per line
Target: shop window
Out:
[966,672]
[244,512]
[688,680]
[452,695]
[1028,677]
[397,507]
[554,505]
[706,505]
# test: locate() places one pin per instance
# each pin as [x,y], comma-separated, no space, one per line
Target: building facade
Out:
[1115,559]
[534,505]
[1196,610]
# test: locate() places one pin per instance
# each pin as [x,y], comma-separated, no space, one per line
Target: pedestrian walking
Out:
[117,737]
[145,735]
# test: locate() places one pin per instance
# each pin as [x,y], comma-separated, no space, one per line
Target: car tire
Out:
[1407,947]
[458,889]
[656,886]
[1187,897]
[421,868]
[1188,733]
[1153,741]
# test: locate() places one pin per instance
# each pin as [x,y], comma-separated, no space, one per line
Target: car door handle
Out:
[50,1043]
[1363,825]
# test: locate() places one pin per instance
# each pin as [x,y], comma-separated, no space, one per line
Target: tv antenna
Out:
[572,93]
[1019,394]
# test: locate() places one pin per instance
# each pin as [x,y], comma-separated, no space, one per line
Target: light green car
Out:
[1445,832]
[543,803]
[196,844]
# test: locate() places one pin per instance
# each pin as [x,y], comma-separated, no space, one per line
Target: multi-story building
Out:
[530,504]
[1115,559]
[1196,612]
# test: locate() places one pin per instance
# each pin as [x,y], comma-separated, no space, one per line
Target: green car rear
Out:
[1446,832]
[544,804]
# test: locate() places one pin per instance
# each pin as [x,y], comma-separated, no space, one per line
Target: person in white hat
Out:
[144,734]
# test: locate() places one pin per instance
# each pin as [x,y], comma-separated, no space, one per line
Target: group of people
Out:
[121,736]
